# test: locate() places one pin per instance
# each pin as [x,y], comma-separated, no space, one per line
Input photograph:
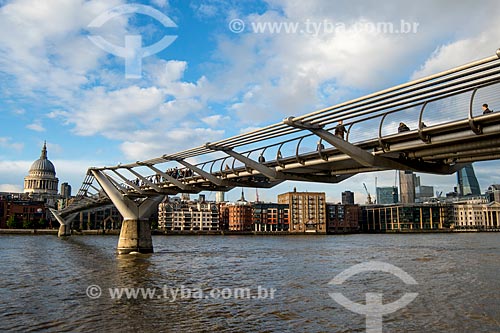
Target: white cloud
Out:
[36,126]
[42,45]
[205,10]
[149,144]
[461,51]
[19,112]
[160,3]
[216,120]
[114,113]
[11,188]
[7,143]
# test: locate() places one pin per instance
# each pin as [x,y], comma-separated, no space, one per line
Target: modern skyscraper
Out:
[219,196]
[407,180]
[467,181]
[387,195]
[424,193]
[65,190]
[493,193]
[348,198]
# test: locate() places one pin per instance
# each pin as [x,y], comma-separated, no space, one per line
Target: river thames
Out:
[47,283]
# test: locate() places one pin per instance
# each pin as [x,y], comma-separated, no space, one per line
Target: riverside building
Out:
[188,216]
[307,211]
[270,217]
[408,217]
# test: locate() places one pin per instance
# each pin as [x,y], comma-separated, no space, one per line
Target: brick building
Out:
[269,217]
[342,218]
[307,211]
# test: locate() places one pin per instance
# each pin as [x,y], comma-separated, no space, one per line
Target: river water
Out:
[46,283]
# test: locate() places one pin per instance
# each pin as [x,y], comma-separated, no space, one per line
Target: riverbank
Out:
[28,231]
[229,233]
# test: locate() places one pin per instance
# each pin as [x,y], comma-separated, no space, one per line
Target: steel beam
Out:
[316,178]
[145,180]
[207,175]
[264,170]
[174,181]
[359,155]
[131,184]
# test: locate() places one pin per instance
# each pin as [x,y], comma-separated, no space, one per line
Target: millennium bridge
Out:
[446,130]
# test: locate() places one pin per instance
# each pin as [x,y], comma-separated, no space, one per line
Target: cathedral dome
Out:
[43,164]
[41,179]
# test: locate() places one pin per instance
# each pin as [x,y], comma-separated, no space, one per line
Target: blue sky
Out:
[211,82]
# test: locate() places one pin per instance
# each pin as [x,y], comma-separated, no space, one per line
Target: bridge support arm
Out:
[173,180]
[208,176]
[145,180]
[128,182]
[266,171]
[359,155]
[317,178]
[64,223]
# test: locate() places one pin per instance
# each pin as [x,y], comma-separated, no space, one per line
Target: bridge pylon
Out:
[64,223]
[135,234]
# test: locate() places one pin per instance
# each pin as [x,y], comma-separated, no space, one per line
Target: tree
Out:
[42,223]
[12,222]
[28,224]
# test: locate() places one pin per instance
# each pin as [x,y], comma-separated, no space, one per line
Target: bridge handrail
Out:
[283,129]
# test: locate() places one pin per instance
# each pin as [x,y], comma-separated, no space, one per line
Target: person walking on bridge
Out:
[486,110]
[402,127]
[340,130]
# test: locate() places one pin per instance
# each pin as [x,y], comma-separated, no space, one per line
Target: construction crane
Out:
[368,196]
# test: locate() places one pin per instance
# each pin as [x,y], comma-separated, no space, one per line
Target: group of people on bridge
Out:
[404,128]
[172,172]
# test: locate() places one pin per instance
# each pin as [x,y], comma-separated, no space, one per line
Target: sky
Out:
[219,76]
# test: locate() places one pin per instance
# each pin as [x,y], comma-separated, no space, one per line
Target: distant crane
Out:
[368,196]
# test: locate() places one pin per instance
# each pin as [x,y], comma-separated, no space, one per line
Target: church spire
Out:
[242,199]
[44,151]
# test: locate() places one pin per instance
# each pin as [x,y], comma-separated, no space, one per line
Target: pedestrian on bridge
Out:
[402,127]
[486,110]
[340,130]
